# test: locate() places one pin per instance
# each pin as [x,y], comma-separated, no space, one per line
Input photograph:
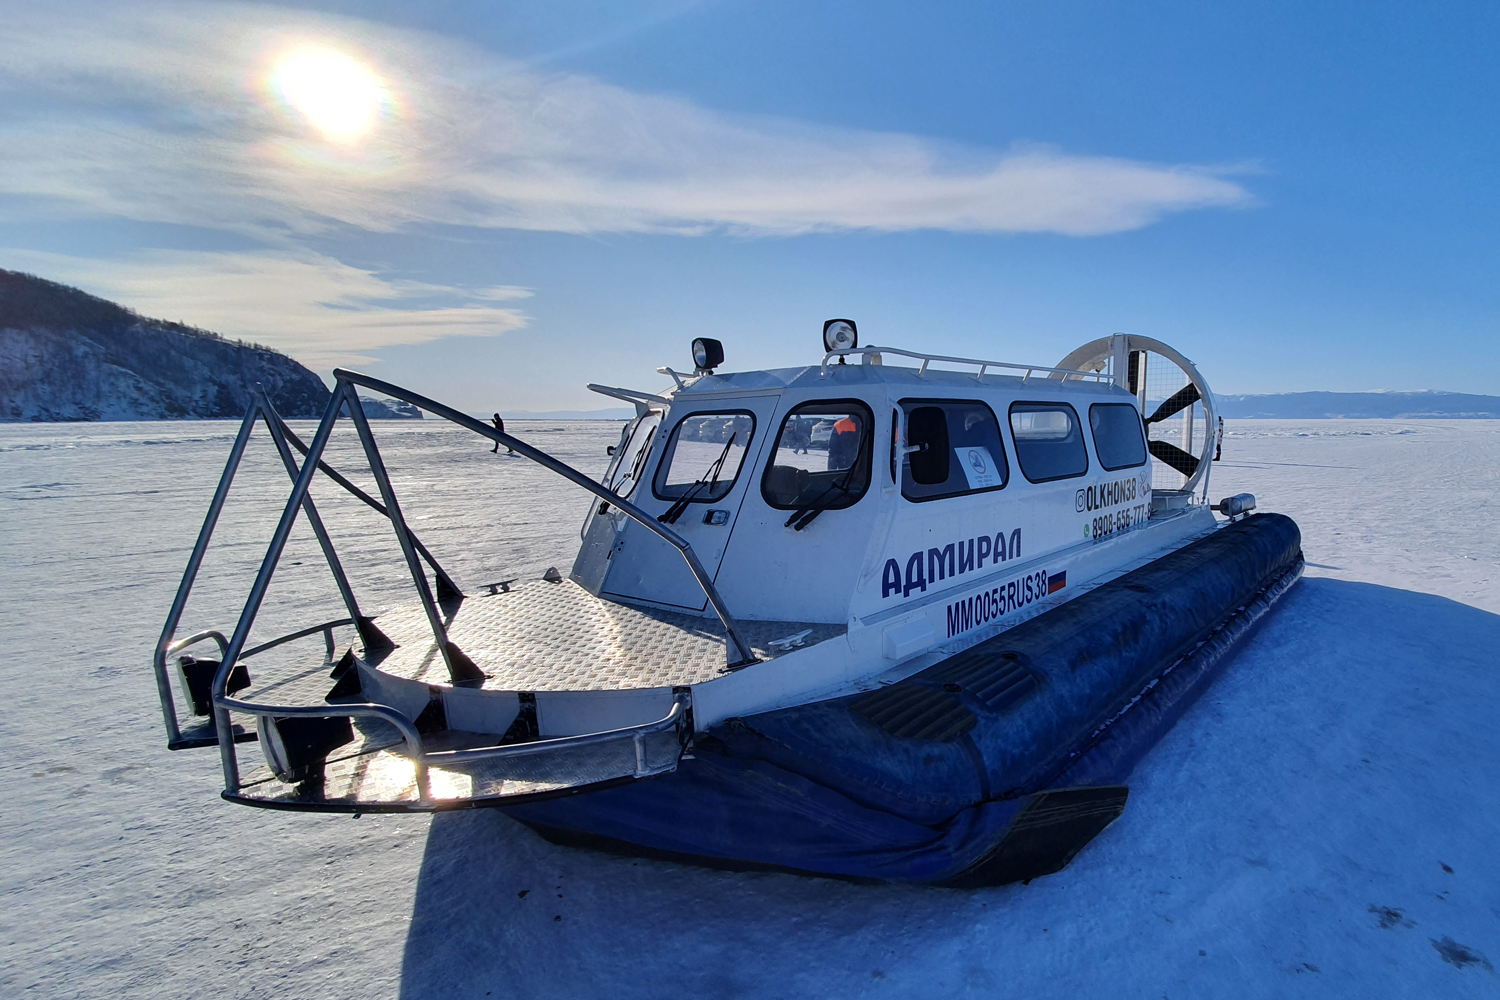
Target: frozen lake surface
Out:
[1324,822]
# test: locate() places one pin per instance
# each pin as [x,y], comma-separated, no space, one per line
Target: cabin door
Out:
[602,526]
[695,480]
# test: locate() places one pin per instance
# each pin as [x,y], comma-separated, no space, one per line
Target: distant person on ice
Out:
[801,436]
[500,426]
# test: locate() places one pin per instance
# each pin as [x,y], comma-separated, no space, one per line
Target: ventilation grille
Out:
[914,712]
[995,681]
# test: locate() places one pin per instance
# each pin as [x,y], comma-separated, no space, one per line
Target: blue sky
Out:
[1297,196]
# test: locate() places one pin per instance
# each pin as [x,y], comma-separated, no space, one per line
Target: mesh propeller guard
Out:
[1182,461]
[1128,353]
[1179,401]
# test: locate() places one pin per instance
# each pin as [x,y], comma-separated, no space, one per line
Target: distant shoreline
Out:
[1390,405]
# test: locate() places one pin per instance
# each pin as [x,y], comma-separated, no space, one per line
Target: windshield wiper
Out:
[710,478]
[803,516]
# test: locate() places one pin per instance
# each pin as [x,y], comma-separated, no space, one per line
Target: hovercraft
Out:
[893,616]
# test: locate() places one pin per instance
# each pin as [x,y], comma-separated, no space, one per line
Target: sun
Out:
[339,95]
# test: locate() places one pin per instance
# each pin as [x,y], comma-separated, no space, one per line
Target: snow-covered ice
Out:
[1324,822]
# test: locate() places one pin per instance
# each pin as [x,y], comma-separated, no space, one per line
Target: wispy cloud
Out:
[320,310]
[169,113]
[165,113]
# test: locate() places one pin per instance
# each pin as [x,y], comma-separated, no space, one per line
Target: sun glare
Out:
[337,94]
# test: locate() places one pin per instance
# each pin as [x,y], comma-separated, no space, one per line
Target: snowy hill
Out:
[67,355]
[1362,405]
[380,409]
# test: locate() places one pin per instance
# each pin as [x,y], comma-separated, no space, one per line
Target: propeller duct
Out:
[1127,354]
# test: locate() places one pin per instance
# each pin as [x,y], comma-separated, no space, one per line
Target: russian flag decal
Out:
[1056,581]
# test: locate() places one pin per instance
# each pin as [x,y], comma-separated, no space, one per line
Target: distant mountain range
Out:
[1377,405]
[67,355]
[609,413]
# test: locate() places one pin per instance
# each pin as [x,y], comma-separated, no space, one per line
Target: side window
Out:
[952,448]
[1117,435]
[631,460]
[822,457]
[1049,441]
[704,456]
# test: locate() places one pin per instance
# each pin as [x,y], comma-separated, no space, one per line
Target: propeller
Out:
[1128,357]
[1180,400]
[1184,462]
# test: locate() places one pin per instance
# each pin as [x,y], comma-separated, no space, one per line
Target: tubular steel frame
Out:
[462,671]
[984,366]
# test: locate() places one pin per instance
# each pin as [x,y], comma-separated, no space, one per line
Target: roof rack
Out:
[926,359]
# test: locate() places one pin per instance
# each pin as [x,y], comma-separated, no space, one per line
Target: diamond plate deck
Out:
[558,637]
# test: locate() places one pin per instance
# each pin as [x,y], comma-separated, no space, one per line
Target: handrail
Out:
[177,645]
[326,628]
[424,759]
[926,359]
[384,712]
[223,643]
[635,397]
[680,704]
[676,376]
[164,683]
[733,637]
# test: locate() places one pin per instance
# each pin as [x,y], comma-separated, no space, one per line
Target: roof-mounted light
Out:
[708,354]
[840,335]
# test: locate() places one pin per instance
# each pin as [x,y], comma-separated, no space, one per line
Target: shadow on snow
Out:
[1354,725]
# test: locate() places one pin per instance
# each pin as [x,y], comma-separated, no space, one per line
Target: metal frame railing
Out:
[385,713]
[261,410]
[927,359]
[677,714]
[462,670]
[737,649]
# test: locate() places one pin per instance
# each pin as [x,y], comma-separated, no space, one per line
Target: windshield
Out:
[632,460]
[703,457]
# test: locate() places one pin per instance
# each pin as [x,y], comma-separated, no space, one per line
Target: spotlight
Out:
[840,335]
[708,354]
